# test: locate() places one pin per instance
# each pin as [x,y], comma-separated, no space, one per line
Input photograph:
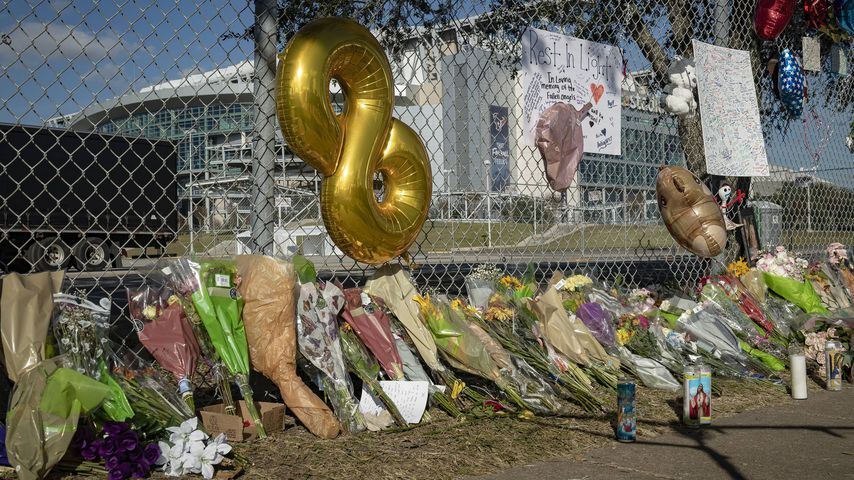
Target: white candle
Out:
[798,366]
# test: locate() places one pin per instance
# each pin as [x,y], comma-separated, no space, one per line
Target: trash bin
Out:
[769,223]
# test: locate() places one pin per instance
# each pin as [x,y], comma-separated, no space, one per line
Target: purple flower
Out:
[121,472]
[83,437]
[90,452]
[108,447]
[135,455]
[128,441]
[115,428]
[140,470]
[151,454]
[112,462]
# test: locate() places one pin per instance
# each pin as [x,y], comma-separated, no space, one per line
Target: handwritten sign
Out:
[559,68]
[410,398]
[732,132]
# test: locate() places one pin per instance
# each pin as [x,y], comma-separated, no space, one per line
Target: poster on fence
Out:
[499,147]
[559,68]
[732,132]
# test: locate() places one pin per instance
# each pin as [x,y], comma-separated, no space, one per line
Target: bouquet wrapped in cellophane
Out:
[319,342]
[461,346]
[165,332]
[80,328]
[181,276]
[154,404]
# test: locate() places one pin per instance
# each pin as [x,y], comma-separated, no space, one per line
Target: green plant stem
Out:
[243,384]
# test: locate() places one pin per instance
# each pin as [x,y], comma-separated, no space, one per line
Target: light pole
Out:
[487,163]
[190,211]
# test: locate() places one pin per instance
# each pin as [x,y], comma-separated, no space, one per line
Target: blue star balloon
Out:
[790,83]
[844,14]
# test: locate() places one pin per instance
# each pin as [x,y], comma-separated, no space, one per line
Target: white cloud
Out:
[34,43]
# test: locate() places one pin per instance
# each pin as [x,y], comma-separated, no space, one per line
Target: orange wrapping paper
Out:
[267,287]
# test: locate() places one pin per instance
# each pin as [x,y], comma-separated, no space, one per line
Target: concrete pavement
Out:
[807,439]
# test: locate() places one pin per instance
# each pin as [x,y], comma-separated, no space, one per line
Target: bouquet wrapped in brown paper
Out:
[267,286]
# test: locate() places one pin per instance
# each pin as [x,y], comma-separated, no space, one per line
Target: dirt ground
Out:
[447,448]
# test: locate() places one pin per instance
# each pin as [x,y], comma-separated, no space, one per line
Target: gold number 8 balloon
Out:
[348,149]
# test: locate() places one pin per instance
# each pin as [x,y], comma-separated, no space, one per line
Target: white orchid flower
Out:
[187,432]
[210,457]
[174,458]
[220,443]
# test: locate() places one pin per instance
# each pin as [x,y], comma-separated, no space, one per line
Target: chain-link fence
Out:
[138,130]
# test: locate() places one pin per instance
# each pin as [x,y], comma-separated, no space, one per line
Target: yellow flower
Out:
[172,299]
[575,282]
[511,282]
[149,312]
[457,304]
[738,268]
[623,336]
[499,313]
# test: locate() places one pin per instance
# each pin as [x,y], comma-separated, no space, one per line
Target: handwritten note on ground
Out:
[732,132]
[409,397]
[559,68]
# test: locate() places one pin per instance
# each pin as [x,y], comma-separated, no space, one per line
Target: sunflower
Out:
[738,268]
[509,281]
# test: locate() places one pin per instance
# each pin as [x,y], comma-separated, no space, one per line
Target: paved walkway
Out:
[810,439]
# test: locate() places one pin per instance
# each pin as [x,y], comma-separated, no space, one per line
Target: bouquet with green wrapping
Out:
[461,347]
[220,307]
[784,275]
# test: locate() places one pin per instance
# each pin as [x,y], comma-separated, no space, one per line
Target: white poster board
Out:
[559,68]
[732,132]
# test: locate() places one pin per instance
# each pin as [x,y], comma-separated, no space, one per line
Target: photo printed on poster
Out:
[499,147]
[732,132]
[560,68]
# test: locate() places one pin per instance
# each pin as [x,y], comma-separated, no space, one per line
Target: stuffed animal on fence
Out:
[678,96]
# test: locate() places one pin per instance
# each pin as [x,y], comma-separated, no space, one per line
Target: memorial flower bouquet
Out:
[124,453]
[165,332]
[784,275]
[80,327]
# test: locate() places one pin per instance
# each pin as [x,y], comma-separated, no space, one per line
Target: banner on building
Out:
[559,68]
[499,148]
[732,132]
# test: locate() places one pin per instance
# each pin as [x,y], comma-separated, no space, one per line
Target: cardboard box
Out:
[216,421]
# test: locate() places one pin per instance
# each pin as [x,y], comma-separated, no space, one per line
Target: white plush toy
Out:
[678,96]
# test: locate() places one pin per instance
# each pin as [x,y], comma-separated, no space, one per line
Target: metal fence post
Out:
[263,162]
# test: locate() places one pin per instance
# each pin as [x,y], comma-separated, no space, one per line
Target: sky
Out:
[61,56]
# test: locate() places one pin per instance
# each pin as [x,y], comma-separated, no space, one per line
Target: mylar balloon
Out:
[561,142]
[844,13]
[772,16]
[790,83]
[815,13]
[689,211]
[350,148]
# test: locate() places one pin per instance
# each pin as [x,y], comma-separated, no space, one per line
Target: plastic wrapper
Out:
[828,285]
[782,314]
[736,319]
[393,285]
[80,328]
[479,291]
[799,293]
[319,343]
[155,404]
[706,327]
[26,307]
[650,372]
[755,284]
[165,332]
[568,334]
[268,286]
[599,322]
[374,329]
[608,302]
[46,405]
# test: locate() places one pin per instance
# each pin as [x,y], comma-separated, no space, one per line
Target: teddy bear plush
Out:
[678,96]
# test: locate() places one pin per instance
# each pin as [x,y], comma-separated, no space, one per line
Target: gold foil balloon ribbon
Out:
[348,149]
